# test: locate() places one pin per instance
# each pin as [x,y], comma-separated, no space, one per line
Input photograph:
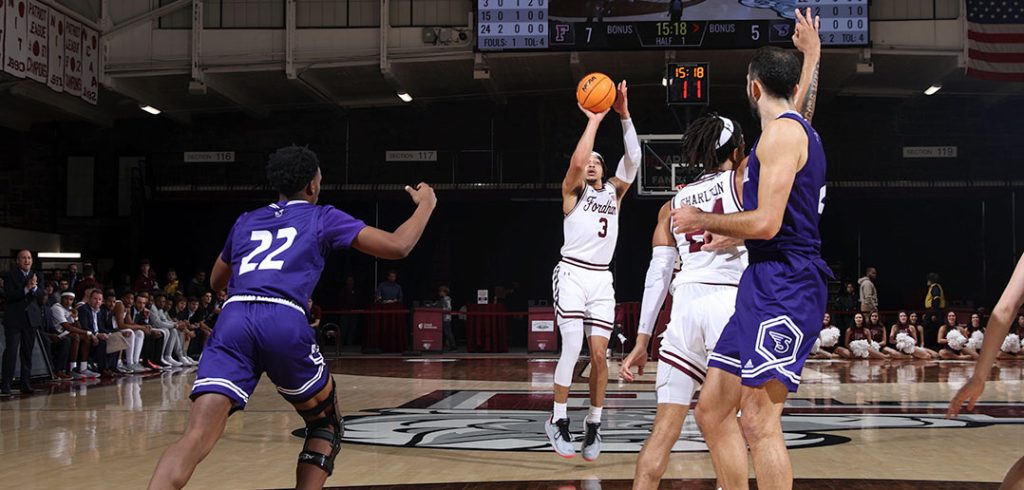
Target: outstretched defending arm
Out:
[398,244]
[656,285]
[629,164]
[808,41]
[998,327]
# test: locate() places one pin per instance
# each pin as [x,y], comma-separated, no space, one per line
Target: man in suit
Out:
[92,318]
[21,285]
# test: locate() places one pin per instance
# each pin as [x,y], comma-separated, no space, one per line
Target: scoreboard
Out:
[594,25]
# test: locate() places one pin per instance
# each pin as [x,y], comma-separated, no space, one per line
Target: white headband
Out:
[598,155]
[727,132]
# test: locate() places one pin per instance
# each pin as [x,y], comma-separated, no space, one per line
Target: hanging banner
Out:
[90,64]
[55,34]
[15,30]
[37,57]
[72,57]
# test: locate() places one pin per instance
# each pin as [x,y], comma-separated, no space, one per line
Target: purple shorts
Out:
[779,307]
[252,338]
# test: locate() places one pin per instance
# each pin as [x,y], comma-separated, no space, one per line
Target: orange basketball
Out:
[596,92]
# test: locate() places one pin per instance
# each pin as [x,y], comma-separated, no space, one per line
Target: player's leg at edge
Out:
[716,411]
[324,430]
[668,424]
[761,421]
[598,384]
[206,424]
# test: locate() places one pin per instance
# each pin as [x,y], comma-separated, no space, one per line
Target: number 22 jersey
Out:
[278,251]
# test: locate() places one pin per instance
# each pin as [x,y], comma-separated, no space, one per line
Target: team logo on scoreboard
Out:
[564,33]
[513,421]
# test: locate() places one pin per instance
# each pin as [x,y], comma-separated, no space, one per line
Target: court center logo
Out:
[497,421]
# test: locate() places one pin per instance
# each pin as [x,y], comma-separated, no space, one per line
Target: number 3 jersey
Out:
[714,193]
[592,227]
[278,251]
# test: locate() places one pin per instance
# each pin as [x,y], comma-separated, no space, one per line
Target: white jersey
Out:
[592,227]
[714,193]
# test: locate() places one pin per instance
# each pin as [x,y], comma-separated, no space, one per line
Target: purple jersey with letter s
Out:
[799,232]
[278,250]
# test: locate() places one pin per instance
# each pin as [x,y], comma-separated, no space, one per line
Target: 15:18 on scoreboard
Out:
[687,83]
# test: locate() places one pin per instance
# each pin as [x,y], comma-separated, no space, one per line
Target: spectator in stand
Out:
[146,280]
[66,320]
[935,298]
[390,291]
[91,318]
[860,332]
[951,350]
[172,282]
[444,294]
[178,306]
[847,302]
[21,288]
[313,314]
[877,330]
[868,292]
[196,316]
[152,346]
[198,286]
[59,346]
[51,294]
[73,278]
[124,320]
[159,319]
[64,287]
[349,300]
[206,303]
[87,282]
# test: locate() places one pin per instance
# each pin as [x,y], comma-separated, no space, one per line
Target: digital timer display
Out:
[688,83]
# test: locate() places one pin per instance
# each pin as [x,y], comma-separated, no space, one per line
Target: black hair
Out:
[87,270]
[701,139]
[777,69]
[291,168]
[933,277]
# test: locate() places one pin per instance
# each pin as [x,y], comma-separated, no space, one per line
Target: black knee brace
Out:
[323,422]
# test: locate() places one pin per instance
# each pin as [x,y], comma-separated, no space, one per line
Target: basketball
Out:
[596,92]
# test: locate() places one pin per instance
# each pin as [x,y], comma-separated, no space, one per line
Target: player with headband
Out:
[704,289]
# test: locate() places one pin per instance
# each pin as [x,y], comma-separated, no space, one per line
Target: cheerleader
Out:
[1012,344]
[955,346]
[920,336]
[877,330]
[827,346]
[903,337]
[858,342]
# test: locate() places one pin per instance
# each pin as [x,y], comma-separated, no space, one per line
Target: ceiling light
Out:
[664,82]
[933,89]
[59,255]
[405,97]
[150,109]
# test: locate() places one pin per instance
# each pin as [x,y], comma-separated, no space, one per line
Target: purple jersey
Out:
[278,250]
[799,232]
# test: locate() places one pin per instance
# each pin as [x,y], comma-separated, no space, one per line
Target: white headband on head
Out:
[727,132]
[598,155]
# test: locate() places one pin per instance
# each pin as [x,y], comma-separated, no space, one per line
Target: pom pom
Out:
[829,336]
[956,340]
[1011,344]
[905,343]
[977,338]
[817,346]
[875,345]
[860,348]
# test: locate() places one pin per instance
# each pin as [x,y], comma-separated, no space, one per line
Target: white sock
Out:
[83,366]
[559,412]
[595,415]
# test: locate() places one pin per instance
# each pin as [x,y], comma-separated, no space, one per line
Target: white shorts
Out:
[584,294]
[699,314]
[674,386]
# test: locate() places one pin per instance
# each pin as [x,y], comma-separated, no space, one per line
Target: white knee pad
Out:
[572,344]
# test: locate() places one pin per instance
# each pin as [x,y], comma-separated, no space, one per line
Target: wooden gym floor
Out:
[465,422]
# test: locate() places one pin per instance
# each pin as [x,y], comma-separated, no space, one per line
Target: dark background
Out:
[482,238]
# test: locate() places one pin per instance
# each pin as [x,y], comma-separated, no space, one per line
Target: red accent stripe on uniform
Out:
[996,76]
[681,359]
[683,370]
[995,37]
[995,57]
[598,325]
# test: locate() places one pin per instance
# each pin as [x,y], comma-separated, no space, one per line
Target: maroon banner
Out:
[426,329]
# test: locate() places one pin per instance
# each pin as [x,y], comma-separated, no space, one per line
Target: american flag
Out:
[995,39]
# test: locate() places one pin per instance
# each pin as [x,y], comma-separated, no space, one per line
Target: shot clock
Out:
[688,83]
